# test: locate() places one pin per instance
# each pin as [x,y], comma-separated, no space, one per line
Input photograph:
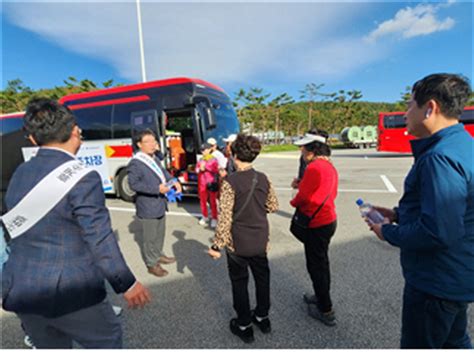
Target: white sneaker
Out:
[28,342]
[203,221]
[213,223]
[117,310]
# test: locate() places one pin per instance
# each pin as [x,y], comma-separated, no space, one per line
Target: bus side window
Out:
[467,116]
[394,121]
[95,122]
[122,113]
[9,125]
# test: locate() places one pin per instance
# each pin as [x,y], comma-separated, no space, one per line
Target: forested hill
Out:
[257,110]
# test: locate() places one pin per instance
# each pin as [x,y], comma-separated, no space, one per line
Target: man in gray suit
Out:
[150,181]
[54,279]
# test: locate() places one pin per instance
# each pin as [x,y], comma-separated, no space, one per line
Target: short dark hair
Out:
[450,91]
[141,134]
[48,121]
[246,147]
[316,147]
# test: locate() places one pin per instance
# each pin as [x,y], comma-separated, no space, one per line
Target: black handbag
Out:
[213,186]
[300,223]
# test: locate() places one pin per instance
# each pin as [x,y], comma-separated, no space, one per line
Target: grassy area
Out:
[290,147]
[279,148]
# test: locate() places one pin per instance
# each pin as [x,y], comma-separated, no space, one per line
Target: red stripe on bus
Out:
[121,150]
[109,102]
[127,88]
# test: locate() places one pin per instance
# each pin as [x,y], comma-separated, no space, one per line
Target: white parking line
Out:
[347,190]
[390,187]
[388,184]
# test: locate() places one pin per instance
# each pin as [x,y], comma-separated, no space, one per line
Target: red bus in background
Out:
[393,135]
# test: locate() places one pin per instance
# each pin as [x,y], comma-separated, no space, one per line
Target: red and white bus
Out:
[393,135]
[182,112]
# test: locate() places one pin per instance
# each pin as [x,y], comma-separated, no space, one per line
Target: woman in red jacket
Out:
[318,190]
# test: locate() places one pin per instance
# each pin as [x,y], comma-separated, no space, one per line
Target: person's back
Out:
[67,246]
[250,229]
[246,197]
[55,274]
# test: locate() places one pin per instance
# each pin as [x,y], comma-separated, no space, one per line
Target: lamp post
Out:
[140,39]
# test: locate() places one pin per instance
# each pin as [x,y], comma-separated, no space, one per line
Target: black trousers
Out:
[239,277]
[317,263]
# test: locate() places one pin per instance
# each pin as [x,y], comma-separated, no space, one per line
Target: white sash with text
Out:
[43,197]
[151,163]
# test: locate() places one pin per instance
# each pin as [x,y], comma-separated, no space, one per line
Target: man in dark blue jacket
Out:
[150,181]
[54,279]
[434,223]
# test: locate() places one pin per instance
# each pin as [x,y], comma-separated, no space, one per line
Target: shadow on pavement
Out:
[194,311]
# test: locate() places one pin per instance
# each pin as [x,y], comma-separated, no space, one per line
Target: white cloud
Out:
[220,42]
[413,21]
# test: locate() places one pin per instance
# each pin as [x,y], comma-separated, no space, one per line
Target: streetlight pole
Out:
[140,39]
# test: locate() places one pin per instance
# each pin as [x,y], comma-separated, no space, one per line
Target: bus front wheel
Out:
[123,188]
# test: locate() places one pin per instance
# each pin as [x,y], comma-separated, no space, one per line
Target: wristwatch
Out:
[215,248]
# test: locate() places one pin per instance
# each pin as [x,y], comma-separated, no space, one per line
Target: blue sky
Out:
[376,47]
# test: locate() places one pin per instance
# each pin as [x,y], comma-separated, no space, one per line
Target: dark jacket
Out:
[60,264]
[435,230]
[149,202]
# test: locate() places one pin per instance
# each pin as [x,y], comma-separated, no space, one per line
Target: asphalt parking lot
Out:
[192,306]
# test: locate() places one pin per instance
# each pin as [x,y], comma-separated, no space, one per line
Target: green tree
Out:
[310,93]
[276,105]
[15,96]
[257,107]
[405,96]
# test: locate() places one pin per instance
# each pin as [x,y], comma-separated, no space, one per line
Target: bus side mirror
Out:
[209,118]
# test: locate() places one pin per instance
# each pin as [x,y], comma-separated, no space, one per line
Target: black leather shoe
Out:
[264,325]
[246,335]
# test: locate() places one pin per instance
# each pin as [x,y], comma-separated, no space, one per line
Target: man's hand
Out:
[222,172]
[137,296]
[377,229]
[387,213]
[164,189]
[178,187]
[214,254]
[295,183]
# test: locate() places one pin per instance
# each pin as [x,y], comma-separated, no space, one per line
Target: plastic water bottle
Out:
[368,211]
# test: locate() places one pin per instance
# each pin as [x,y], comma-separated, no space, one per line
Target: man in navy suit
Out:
[148,178]
[54,279]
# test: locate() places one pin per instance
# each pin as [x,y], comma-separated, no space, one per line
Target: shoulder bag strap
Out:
[254,183]
[322,204]
[320,207]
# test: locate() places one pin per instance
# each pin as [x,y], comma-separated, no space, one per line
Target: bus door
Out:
[147,120]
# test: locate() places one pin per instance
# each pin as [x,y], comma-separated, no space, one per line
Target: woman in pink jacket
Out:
[208,185]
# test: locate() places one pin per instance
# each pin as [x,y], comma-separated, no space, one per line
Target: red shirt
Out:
[320,179]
